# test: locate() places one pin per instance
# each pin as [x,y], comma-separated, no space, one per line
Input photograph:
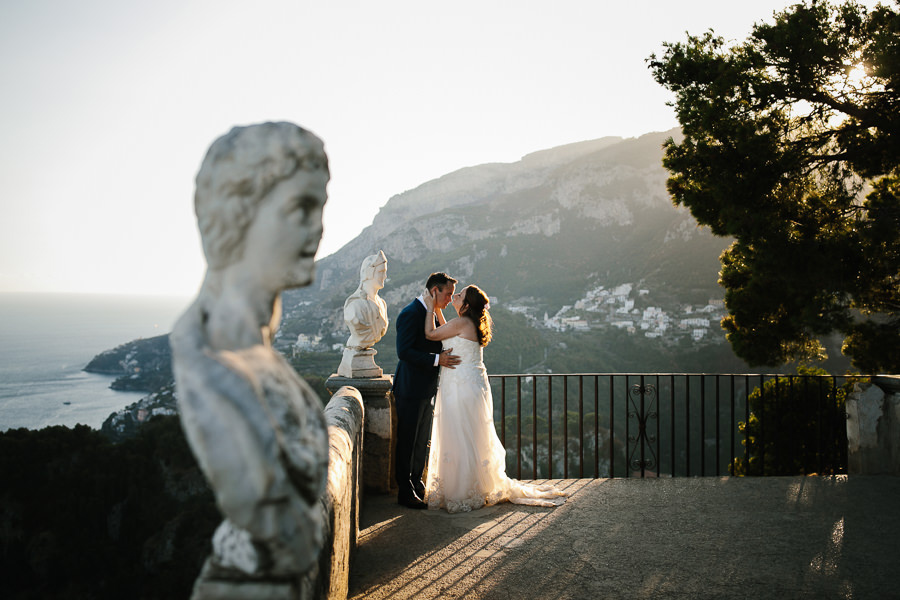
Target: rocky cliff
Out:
[143,365]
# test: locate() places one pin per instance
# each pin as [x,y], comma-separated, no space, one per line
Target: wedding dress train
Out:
[467,462]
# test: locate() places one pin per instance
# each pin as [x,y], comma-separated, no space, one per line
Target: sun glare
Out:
[852,80]
[851,85]
[856,76]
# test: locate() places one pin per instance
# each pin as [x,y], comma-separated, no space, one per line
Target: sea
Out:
[47,339]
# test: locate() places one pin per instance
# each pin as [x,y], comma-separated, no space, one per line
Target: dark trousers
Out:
[413,441]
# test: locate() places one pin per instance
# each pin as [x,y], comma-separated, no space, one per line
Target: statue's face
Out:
[282,240]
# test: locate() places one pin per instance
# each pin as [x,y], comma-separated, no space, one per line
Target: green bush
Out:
[796,427]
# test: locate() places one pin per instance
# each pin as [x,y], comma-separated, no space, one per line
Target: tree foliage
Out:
[81,517]
[792,147]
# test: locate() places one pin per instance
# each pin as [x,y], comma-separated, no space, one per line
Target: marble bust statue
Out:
[365,314]
[255,426]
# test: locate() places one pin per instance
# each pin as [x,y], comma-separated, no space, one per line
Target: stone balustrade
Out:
[380,428]
[328,579]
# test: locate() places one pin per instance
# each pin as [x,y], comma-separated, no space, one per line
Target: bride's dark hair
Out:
[475,303]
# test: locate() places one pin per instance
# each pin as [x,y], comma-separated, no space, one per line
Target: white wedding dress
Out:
[467,462]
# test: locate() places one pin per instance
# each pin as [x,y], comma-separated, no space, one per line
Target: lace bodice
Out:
[469,352]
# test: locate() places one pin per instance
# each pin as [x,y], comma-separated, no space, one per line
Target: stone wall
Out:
[341,501]
[380,428]
[873,427]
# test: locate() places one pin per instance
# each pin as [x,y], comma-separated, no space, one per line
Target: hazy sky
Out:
[108,107]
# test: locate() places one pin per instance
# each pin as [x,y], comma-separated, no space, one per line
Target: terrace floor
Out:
[766,537]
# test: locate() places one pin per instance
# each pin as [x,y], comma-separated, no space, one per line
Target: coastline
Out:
[46,340]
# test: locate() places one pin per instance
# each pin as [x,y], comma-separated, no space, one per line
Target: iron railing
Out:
[592,425]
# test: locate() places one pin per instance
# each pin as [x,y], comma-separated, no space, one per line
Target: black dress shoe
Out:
[420,491]
[413,502]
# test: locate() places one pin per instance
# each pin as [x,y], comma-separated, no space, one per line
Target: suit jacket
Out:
[416,377]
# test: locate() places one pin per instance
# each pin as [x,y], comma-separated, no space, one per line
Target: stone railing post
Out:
[873,427]
[345,416]
[380,425]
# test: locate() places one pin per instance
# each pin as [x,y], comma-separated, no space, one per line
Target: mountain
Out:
[588,263]
[589,266]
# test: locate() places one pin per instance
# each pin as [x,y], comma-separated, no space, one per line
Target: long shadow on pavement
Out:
[773,537]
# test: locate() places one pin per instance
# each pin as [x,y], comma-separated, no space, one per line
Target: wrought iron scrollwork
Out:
[642,445]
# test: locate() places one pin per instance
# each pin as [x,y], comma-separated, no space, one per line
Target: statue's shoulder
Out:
[186,339]
[212,373]
[354,298]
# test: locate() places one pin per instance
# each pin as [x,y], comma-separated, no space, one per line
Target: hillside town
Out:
[627,307]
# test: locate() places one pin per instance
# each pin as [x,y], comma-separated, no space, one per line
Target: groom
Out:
[415,385]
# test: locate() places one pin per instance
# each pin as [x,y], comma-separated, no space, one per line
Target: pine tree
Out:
[792,148]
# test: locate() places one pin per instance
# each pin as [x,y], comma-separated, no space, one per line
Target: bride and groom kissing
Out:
[441,361]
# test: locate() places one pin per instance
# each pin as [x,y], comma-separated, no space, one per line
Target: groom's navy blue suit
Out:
[415,384]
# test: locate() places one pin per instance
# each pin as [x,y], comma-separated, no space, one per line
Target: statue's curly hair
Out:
[239,169]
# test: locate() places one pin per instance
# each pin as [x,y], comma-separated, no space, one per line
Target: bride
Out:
[467,462]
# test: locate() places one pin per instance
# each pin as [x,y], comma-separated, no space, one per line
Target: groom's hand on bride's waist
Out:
[445,359]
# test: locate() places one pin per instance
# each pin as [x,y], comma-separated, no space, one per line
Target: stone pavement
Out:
[767,537]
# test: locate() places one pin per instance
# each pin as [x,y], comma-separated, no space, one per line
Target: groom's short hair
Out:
[439,279]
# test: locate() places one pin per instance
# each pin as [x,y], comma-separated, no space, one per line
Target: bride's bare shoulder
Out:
[467,330]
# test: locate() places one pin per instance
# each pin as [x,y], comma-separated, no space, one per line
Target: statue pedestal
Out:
[360,364]
[380,428]
[212,586]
